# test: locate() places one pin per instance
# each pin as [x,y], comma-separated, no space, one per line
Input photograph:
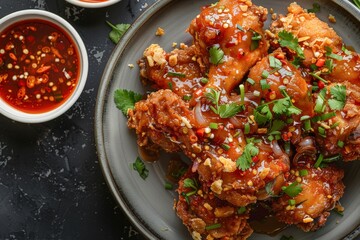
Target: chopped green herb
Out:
[357,3]
[247,128]
[320,101]
[345,50]
[245,160]
[240,28]
[225,146]
[242,93]
[318,77]
[224,110]
[275,63]
[265,74]
[297,61]
[255,40]
[315,9]
[216,55]
[213,226]
[335,125]
[251,81]
[277,125]
[338,94]
[170,85]
[319,161]
[269,188]
[241,210]
[140,167]
[263,114]
[190,183]
[287,39]
[117,31]
[293,189]
[204,80]
[329,65]
[330,54]
[187,97]
[340,144]
[322,131]
[332,158]
[292,202]
[176,74]
[303,172]
[340,213]
[168,186]
[264,85]
[213,126]
[126,99]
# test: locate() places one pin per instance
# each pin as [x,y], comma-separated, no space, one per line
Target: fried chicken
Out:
[206,216]
[323,49]
[233,31]
[321,189]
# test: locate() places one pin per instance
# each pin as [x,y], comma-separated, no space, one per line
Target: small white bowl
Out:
[26,15]
[93,5]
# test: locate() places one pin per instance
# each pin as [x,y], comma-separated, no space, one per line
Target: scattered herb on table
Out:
[117,31]
[126,99]
[315,9]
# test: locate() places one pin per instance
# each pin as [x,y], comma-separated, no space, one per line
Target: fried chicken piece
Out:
[234,28]
[178,70]
[321,190]
[346,128]
[278,72]
[164,119]
[206,216]
[161,119]
[322,46]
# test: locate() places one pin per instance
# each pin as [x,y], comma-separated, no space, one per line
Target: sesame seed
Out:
[25,51]
[9,66]
[14,78]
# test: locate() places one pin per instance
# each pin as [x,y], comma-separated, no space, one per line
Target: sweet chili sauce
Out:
[39,66]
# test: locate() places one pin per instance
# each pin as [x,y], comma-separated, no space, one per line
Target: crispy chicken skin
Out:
[321,189]
[200,210]
[347,129]
[318,39]
[178,70]
[164,120]
[230,25]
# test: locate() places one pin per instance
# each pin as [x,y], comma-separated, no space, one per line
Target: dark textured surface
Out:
[51,185]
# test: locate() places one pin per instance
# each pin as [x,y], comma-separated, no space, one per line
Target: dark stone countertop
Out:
[51,184]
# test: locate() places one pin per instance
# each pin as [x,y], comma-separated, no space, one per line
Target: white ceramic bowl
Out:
[93,5]
[26,15]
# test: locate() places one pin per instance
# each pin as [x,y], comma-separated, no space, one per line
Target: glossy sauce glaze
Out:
[39,66]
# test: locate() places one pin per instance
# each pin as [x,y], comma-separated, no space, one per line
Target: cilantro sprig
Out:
[338,97]
[224,110]
[216,55]
[117,31]
[245,160]
[288,40]
[126,99]
[282,106]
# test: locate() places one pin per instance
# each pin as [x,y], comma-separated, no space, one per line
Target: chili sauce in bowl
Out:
[93,3]
[43,66]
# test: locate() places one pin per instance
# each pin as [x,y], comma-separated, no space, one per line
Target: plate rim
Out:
[107,78]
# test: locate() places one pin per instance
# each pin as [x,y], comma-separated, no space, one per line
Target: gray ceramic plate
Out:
[147,203]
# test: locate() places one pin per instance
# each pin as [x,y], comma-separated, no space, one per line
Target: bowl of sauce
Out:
[93,3]
[43,66]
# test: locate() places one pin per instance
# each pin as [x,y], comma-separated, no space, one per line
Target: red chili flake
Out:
[286,136]
[320,62]
[200,132]
[255,159]
[284,63]
[321,85]
[21,83]
[229,44]
[280,56]
[240,54]
[30,39]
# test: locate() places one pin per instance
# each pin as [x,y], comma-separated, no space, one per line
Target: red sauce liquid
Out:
[39,66]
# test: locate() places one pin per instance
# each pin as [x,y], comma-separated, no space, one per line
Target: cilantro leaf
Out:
[263,114]
[286,39]
[245,160]
[216,55]
[229,110]
[329,53]
[212,95]
[275,63]
[277,125]
[190,183]
[140,167]
[255,40]
[126,99]
[293,189]
[315,9]
[281,105]
[117,31]
[338,94]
